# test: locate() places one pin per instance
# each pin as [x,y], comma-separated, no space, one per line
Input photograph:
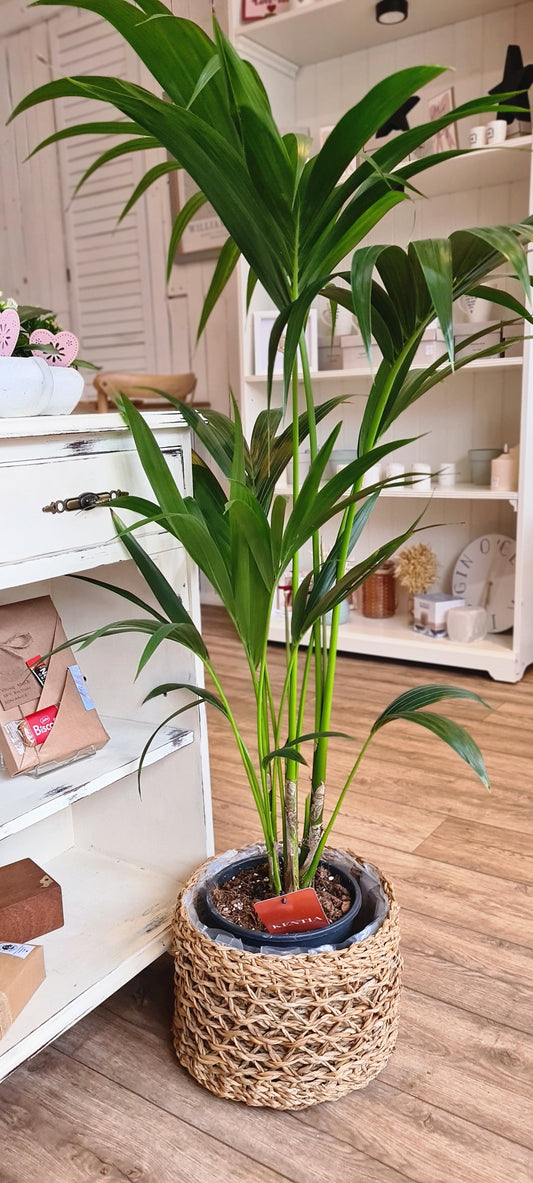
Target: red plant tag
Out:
[299,911]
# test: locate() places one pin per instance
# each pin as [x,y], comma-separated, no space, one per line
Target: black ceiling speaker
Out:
[391,12]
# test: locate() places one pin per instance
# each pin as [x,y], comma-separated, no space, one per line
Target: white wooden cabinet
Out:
[316,61]
[118,858]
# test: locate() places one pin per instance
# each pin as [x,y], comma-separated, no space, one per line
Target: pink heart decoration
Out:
[66,344]
[9,331]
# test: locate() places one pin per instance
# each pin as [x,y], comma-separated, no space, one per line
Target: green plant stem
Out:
[290,811]
[308,875]
[276,775]
[320,760]
[264,815]
[315,542]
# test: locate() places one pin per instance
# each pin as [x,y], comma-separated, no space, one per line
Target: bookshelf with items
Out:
[485,405]
[119,857]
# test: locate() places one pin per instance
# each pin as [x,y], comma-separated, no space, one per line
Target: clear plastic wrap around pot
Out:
[374,907]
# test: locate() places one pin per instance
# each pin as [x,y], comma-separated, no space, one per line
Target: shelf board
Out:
[25,800]
[478,169]
[394,637]
[331,28]
[460,492]
[117,918]
[363,371]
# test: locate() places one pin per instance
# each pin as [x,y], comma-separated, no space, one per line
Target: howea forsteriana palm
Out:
[295,221]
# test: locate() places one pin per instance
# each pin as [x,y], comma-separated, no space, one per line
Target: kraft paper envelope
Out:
[27,629]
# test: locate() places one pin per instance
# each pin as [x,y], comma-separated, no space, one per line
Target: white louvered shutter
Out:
[109,262]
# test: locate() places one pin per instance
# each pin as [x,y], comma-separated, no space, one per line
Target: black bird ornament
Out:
[398,121]
[517,78]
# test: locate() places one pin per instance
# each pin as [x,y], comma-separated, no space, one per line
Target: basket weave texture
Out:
[285,1032]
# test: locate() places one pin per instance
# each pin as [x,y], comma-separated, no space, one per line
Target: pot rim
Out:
[328,934]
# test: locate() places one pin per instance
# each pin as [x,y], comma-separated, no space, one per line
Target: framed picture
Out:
[263,322]
[439,105]
[205,233]
[255,10]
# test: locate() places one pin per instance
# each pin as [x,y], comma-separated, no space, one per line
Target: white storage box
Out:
[431,346]
[491,336]
[354,355]
[330,357]
[430,612]
[516,330]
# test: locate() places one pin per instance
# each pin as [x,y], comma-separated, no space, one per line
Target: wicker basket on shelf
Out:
[378,593]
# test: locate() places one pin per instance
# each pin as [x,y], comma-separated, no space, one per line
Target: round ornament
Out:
[484,576]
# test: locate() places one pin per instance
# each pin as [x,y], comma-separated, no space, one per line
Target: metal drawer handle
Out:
[84,501]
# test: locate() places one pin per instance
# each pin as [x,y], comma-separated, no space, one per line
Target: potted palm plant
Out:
[288,1026]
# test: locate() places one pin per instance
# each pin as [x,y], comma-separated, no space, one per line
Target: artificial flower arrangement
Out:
[32,344]
[29,331]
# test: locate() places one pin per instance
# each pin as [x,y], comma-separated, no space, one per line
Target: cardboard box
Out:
[21,973]
[27,629]
[330,357]
[30,902]
[516,330]
[431,346]
[491,336]
[430,612]
[354,354]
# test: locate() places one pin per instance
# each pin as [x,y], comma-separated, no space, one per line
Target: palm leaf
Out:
[153,174]
[181,221]
[226,263]
[141,144]
[203,694]
[122,591]
[107,127]
[435,258]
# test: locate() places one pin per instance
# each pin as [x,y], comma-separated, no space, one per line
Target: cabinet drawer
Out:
[37,545]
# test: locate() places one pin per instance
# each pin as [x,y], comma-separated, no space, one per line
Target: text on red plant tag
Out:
[298,911]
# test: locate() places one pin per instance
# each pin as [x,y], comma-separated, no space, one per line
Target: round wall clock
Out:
[484,574]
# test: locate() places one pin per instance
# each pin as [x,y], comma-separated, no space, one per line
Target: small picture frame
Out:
[441,104]
[256,10]
[205,233]
[263,322]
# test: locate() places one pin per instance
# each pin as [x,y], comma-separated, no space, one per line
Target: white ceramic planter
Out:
[26,385]
[29,386]
[67,390]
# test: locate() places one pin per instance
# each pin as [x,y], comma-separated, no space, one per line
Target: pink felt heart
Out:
[66,344]
[9,331]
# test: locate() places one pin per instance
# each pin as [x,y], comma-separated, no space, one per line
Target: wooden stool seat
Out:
[143,389]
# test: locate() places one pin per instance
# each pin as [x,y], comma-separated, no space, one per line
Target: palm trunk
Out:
[314,833]
[291,874]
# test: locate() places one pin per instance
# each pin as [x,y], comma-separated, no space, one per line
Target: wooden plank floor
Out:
[455,1104]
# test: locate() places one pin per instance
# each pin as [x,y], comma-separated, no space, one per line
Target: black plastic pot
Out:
[331,934]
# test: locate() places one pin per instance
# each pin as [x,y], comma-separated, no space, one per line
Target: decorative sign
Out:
[67,346]
[205,233]
[255,10]
[9,331]
[299,911]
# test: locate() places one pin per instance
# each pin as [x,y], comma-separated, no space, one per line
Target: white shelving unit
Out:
[118,857]
[331,28]
[316,61]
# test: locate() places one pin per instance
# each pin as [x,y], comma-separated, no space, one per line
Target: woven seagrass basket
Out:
[285,1032]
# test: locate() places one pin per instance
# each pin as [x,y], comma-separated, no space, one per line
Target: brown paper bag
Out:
[28,629]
